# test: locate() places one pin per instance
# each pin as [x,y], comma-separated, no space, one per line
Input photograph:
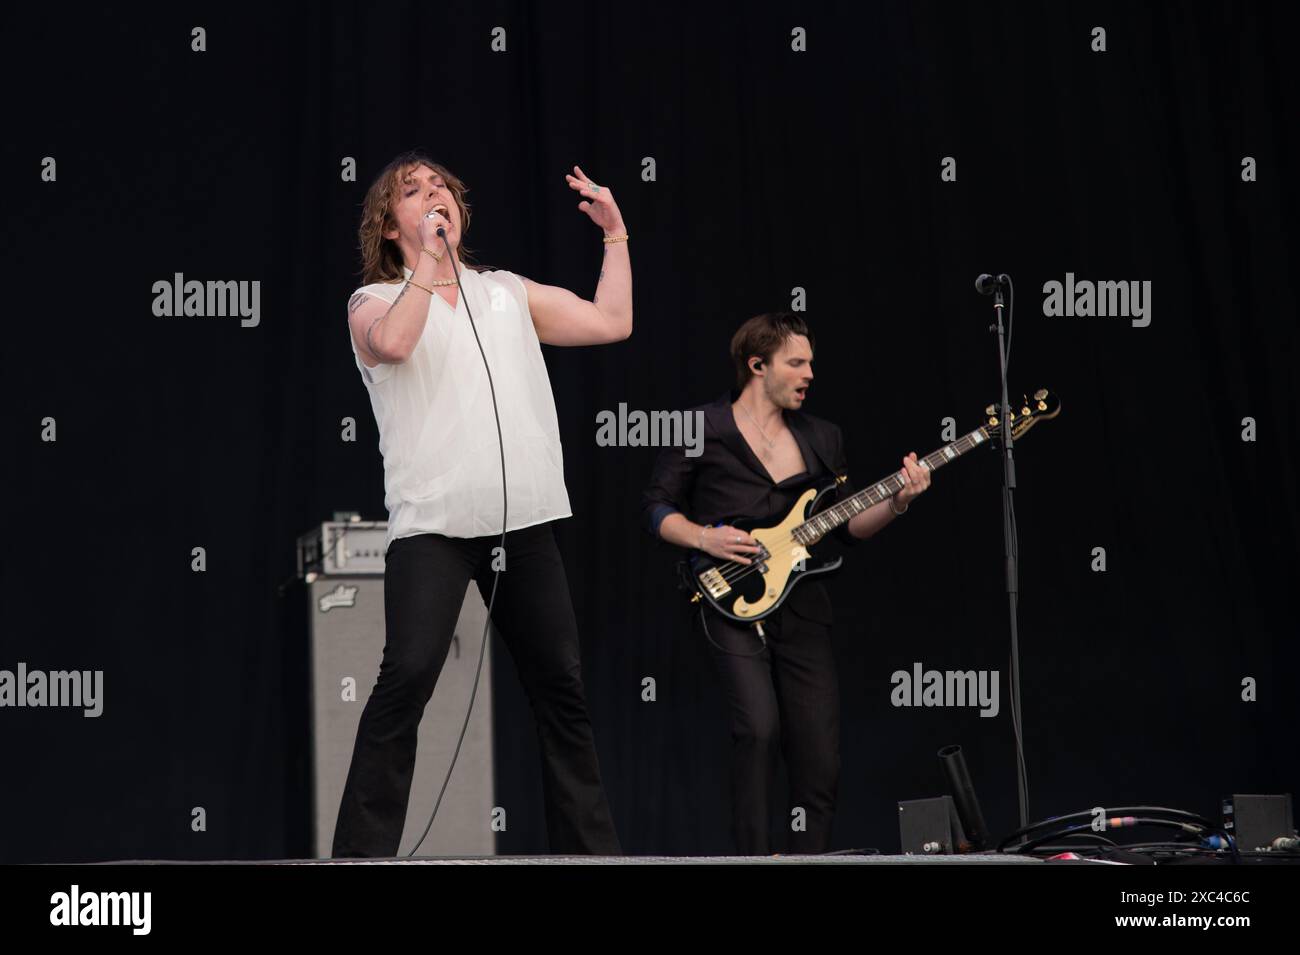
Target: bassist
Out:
[760,451]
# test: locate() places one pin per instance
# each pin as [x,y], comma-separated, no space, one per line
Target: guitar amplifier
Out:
[346,631]
[343,547]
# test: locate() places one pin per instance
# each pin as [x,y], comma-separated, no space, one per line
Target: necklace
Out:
[761,432]
[445,282]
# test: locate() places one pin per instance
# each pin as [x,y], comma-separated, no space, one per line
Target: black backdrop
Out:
[775,169]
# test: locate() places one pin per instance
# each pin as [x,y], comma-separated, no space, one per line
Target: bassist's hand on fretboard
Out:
[916,478]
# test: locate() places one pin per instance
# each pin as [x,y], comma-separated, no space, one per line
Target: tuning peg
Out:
[990,411]
[1040,394]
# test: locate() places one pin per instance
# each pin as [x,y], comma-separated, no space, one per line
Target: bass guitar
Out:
[788,550]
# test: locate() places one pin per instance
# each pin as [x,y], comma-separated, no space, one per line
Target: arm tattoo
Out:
[355,303]
[378,319]
[370,328]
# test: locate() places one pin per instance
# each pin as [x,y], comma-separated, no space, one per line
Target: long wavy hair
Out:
[381,258]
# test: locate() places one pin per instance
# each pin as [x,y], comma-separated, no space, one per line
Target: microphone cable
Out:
[496,577]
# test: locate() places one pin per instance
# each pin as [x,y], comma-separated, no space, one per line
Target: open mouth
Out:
[801,393]
[442,211]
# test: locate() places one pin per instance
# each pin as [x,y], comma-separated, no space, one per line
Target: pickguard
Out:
[785,553]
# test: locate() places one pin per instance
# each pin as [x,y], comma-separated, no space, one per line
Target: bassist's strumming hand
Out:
[728,543]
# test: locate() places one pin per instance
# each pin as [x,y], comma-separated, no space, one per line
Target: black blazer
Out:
[727,482]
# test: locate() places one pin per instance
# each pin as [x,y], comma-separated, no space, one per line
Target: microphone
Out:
[987,284]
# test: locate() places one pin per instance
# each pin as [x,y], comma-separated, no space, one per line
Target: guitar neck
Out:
[832,517]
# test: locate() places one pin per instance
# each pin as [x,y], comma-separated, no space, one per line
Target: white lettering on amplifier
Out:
[340,596]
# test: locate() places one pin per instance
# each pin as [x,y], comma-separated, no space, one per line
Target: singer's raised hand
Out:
[598,202]
[561,317]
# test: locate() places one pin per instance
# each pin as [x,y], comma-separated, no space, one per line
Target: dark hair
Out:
[762,335]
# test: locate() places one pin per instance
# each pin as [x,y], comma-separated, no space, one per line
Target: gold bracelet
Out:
[418,285]
[615,238]
[436,256]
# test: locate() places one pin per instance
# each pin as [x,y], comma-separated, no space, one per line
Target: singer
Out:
[760,451]
[416,352]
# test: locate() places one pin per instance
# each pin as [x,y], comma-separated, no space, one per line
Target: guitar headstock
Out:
[1025,413]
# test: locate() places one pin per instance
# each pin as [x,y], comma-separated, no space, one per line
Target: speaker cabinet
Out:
[346,617]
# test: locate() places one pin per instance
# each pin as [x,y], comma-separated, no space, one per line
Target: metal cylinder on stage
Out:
[963,795]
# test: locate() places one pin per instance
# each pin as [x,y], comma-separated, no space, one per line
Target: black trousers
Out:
[425,577]
[783,695]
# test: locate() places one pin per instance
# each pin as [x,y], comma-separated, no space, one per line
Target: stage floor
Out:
[985,858]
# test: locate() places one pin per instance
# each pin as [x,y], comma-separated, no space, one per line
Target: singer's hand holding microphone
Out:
[430,223]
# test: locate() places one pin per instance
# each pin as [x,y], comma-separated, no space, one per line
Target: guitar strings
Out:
[730,575]
[732,571]
[746,569]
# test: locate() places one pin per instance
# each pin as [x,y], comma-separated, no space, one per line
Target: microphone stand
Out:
[1011,550]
